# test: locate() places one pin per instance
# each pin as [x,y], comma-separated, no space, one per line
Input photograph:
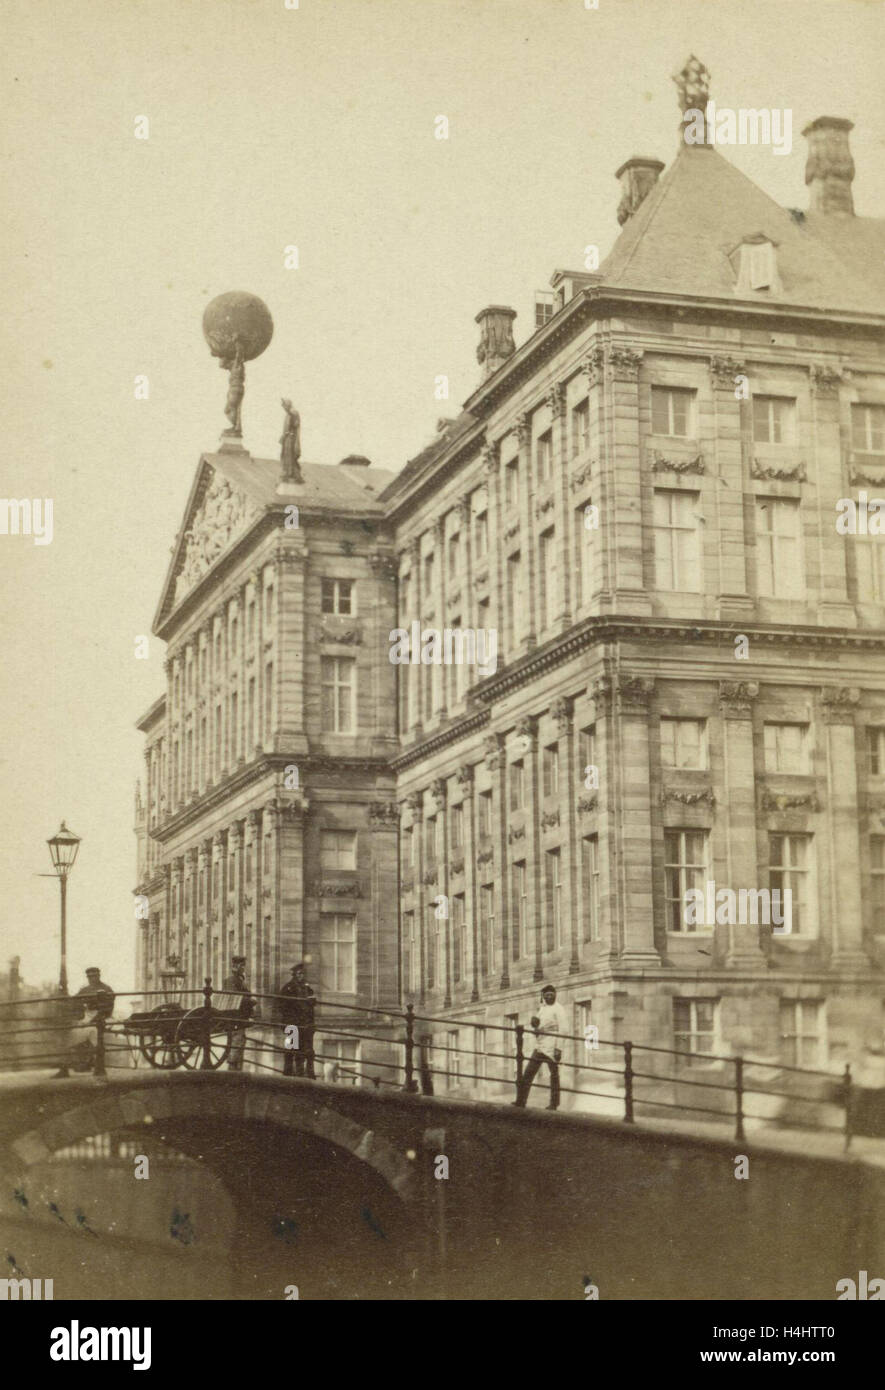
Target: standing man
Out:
[92,1003]
[299,1004]
[550,1027]
[236,999]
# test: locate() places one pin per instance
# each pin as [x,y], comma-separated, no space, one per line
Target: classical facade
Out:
[641,502]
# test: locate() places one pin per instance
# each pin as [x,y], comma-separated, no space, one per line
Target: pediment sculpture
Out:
[223,514]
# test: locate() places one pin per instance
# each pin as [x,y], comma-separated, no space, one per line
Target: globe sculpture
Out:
[238,327]
[237,317]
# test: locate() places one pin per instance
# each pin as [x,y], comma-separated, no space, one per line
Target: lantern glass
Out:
[63,847]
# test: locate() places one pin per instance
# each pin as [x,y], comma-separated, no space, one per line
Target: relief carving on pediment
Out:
[223,514]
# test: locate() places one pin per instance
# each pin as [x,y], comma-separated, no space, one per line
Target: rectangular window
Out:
[487,928]
[478,1060]
[802,1032]
[677,548]
[544,456]
[590,874]
[513,597]
[338,596]
[683,743]
[519,910]
[586,752]
[778,553]
[337,953]
[585,551]
[453,1056]
[430,837]
[544,307]
[672,411]
[268,609]
[786,748]
[432,946]
[484,815]
[337,849]
[511,483]
[876,751]
[553,886]
[459,940]
[774,419]
[427,586]
[457,826]
[877,883]
[454,559]
[547,576]
[870,553]
[268,700]
[790,867]
[342,1059]
[694,1029]
[580,431]
[409,952]
[480,535]
[517,785]
[550,765]
[868,428]
[685,866]
[250,720]
[339,705]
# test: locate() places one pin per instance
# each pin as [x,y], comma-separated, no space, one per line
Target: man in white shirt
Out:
[550,1028]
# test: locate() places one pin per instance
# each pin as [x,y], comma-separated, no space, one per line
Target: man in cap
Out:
[550,1026]
[236,999]
[298,1006]
[93,1003]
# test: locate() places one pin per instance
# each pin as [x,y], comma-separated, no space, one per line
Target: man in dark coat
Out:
[236,999]
[297,1006]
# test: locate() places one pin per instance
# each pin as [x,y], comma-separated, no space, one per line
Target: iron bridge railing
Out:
[187,1030]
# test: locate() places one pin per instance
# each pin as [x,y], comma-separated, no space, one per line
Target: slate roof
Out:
[702,207]
[325,485]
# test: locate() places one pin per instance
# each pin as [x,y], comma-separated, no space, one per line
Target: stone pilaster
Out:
[736,814]
[415,803]
[838,709]
[524,433]
[562,606]
[633,695]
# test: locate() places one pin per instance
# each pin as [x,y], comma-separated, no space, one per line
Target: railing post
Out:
[739,1099]
[99,1067]
[520,1057]
[849,1097]
[411,1084]
[206,1063]
[628,1083]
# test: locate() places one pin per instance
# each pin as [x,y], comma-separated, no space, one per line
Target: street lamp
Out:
[63,847]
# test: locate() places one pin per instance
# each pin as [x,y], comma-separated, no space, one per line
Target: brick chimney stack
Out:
[830,168]
[495,337]
[638,177]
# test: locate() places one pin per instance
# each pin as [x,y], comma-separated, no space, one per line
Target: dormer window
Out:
[755,263]
[545,307]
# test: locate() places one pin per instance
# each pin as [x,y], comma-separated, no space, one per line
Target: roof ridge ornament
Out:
[693,86]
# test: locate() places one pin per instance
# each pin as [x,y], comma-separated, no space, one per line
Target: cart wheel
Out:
[162,1053]
[194,1033]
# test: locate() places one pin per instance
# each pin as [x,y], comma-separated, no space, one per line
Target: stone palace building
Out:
[641,501]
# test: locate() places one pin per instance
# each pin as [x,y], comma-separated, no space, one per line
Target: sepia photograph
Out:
[443,553]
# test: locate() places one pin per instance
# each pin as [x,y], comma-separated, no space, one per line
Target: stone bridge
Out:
[354,1193]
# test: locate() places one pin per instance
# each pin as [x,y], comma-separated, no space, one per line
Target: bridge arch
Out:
[241,1099]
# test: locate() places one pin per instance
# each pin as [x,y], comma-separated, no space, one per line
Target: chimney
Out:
[830,168]
[495,337]
[638,177]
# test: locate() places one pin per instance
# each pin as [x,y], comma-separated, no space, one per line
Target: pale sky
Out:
[315,127]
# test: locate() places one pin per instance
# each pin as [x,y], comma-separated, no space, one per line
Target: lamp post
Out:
[63,847]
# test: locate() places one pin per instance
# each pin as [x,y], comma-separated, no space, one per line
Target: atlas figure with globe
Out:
[238,327]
